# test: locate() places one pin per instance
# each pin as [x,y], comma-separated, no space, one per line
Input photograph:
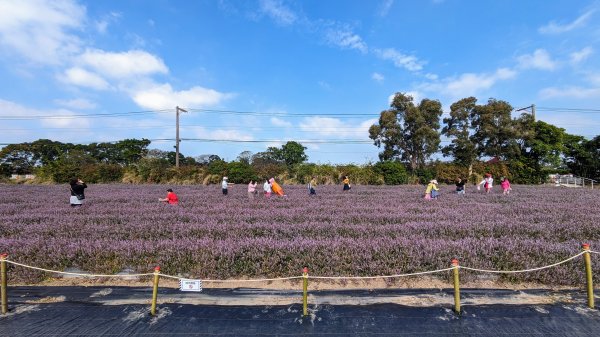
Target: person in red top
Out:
[171,197]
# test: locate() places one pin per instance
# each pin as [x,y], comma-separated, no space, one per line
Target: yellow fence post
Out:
[155,290]
[456,286]
[588,274]
[305,291]
[3,284]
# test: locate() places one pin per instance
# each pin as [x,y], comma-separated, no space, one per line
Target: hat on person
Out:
[225,178]
[488,174]
[169,190]
[433,181]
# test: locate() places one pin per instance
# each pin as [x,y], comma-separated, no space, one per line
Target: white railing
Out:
[574,181]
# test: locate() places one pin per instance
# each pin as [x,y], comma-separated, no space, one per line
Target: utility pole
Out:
[177,109]
[532,107]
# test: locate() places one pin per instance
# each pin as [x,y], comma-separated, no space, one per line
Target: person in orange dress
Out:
[276,187]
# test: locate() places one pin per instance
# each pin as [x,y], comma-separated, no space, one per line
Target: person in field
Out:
[77,192]
[267,189]
[277,189]
[311,186]
[432,190]
[487,183]
[225,185]
[505,184]
[460,186]
[346,183]
[252,189]
[171,198]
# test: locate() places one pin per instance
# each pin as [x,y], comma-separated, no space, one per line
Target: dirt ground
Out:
[403,283]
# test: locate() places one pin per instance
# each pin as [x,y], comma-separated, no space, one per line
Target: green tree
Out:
[240,172]
[291,153]
[266,165]
[541,146]
[19,158]
[407,131]
[458,128]
[495,133]
[245,157]
[72,164]
[582,156]
[218,166]
[130,151]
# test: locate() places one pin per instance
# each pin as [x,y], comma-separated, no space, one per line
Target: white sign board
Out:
[190,285]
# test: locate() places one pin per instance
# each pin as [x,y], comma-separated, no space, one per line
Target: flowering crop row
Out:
[367,231]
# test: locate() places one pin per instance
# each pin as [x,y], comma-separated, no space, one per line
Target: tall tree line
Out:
[411,133]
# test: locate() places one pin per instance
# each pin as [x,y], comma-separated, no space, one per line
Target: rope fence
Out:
[76,274]
[455,267]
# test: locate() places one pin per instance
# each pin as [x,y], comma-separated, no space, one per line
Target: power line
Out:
[302,141]
[580,110]
[98,115]
[282,114]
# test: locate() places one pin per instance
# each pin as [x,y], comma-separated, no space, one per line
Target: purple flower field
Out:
[371,230]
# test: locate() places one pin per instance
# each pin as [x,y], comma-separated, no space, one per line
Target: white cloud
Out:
[66,122]
[557,28]
[84,78]
[569,92]
[334,127]
[38,30]
[278,12]
[162,96]
[400,60]
[18,110]
[384,7]
[345,38]
[469,84]
[280,122]
[124,64]
[540,59]
[581,55]
[378,77]
[13,109]
[77,103]
[219,134]
[102,25]
[431,77]
[228,135]
[417,96]
[594,78]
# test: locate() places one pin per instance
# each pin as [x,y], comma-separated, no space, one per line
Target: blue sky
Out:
[254,74]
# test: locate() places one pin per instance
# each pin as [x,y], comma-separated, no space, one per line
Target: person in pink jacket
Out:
[252,189]
[505,184]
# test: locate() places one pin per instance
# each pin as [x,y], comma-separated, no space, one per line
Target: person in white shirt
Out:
[487,183]
[224,185]
[267,189]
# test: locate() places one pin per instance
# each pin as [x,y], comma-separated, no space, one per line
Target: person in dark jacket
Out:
[77,192]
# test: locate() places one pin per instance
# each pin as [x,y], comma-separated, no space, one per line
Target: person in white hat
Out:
[224,185]
[432,190]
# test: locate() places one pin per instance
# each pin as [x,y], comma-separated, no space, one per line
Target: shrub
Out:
[393,172]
